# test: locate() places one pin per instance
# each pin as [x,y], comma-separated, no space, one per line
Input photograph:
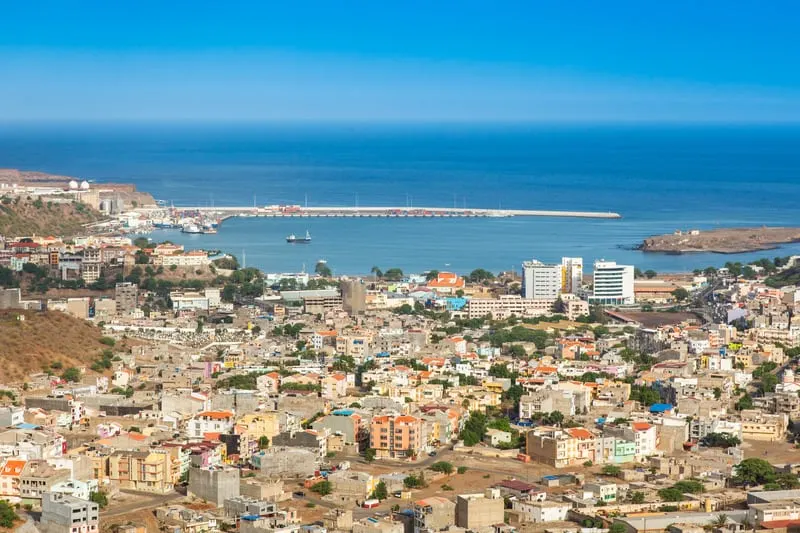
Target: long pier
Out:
[371,211]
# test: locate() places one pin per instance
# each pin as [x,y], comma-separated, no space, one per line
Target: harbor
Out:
[279,211]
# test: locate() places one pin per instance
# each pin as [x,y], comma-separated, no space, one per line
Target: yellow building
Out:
[142,471]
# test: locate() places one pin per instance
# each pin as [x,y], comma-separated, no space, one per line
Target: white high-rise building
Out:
[571,274]
[540,281]
[613,284]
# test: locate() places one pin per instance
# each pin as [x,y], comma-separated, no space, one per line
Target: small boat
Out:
[294,239]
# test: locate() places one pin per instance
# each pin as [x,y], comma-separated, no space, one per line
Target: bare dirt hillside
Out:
[29,217]
[41,339]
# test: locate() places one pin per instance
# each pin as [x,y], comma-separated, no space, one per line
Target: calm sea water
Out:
[658,178]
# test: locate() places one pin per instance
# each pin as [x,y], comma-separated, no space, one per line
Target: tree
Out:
[443,467]
[680,294]
[754,471]
[322,269]
[7,515]
[263,442]
[745,402]
[690,486]
[376,272]
[71,374]
[99,498]
[670,495]
[645,395]
[412,482]
[141,242]
[618,527]
[393,274]
[480,275]
[719,521]
[431,275]
[611,470]
[768,382]
[380,492]
[720,440]
[323,488]
[369,455]
[637,497]
[650,274]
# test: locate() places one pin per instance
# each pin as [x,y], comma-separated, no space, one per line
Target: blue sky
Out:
[677,61]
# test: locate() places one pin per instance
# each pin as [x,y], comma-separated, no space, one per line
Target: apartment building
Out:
[395,437]
[143,471]
[541,281]
[503,307]
[67,514]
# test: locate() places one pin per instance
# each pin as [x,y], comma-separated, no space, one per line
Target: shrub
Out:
[443,467]
[323,488]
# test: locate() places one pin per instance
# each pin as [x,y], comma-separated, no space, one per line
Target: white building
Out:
[210,422]
[540,281]
[537,512]
[571,274]
[613,284]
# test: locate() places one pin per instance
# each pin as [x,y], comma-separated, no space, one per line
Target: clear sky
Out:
[637,60]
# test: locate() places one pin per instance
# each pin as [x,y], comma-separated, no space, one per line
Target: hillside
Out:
[25,218]
[41,339]
[790,276]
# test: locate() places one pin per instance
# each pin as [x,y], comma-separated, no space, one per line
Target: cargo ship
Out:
[294,239]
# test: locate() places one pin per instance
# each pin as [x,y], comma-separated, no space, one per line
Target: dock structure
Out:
[433,212]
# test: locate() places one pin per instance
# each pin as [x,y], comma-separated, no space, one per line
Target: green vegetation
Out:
[71,374]
[323,488]
[745,402]
[108,341]
[99,498]
[636,497]
[720,440]
[517,334]
[480,275]
[369,455]
[474,429]
[263,442]
[611,470]
[670,495]
[380,492]
[240,381]
[645,395]
[462,469]
[443,467]
[322,269]
[690,486]
[754,471]
[7,515]
[310,387]
[680,294]
[415,481]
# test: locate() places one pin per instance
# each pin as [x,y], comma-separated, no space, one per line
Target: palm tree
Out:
[377,271]
[719,522]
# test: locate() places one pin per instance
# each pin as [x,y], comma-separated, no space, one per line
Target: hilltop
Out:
[35,217]
[44,338]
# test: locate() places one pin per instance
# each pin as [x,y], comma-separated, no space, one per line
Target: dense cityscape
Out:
[151,387]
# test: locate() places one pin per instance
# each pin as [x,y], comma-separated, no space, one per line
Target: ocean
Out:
[660,178]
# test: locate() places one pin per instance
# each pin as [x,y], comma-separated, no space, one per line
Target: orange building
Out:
[395,437]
